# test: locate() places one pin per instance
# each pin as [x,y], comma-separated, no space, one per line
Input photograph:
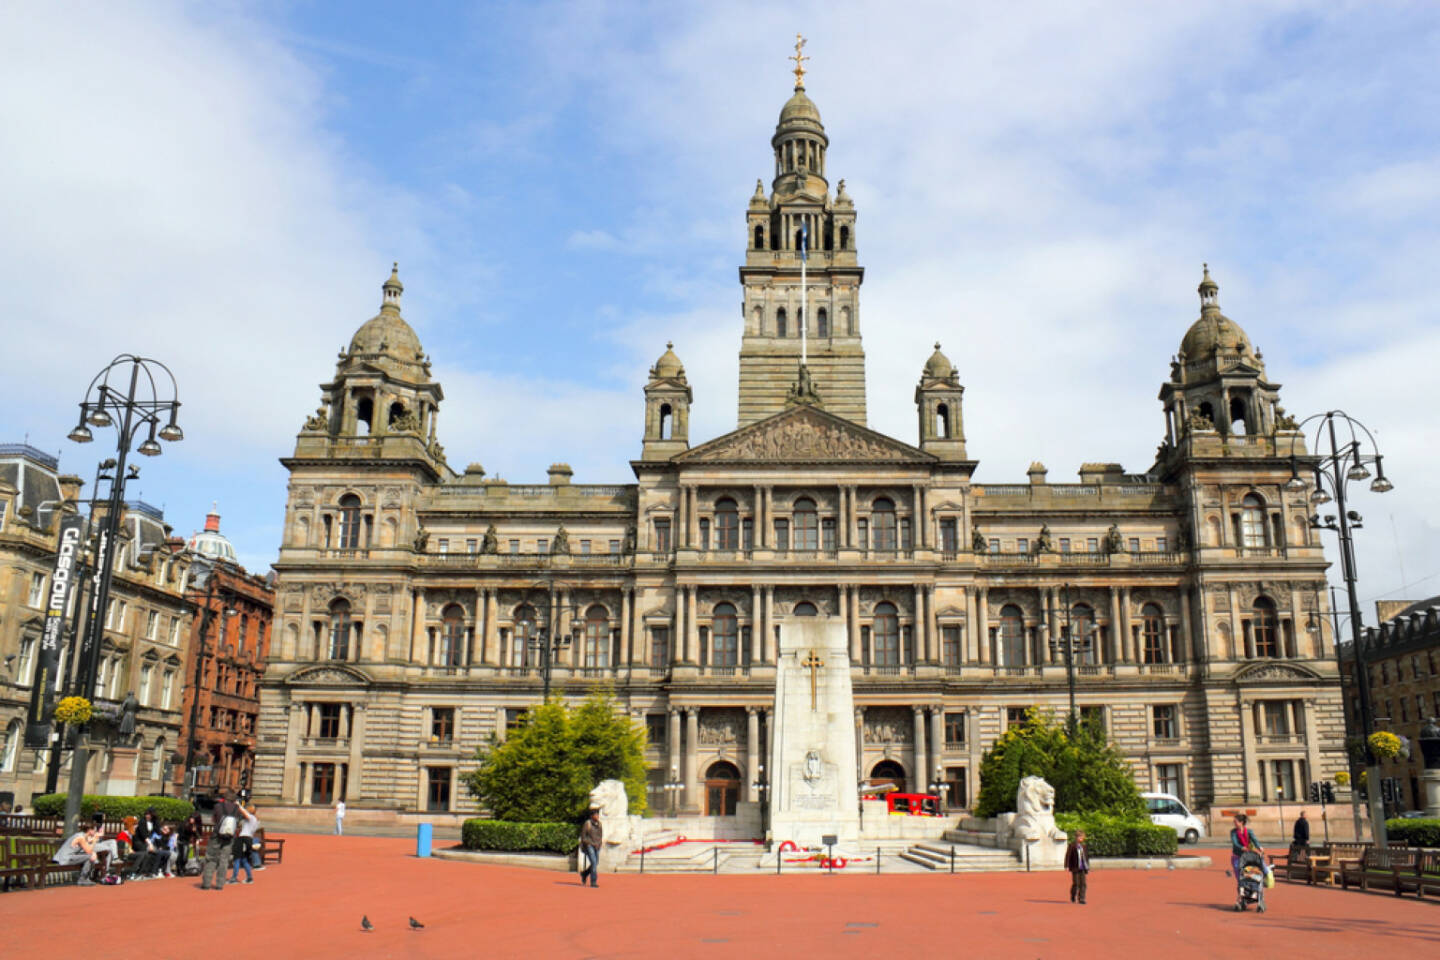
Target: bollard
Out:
[952,859]
[642,856]
[877,861]
[779,856]
[716,860]
[423,834]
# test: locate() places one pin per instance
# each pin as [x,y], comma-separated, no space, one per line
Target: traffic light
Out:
[245,778]
[1314,792]
[1327,792]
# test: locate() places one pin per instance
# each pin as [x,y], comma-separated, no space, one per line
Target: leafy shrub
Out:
[114,808]
[1085,769]
[1415,833]
[511,836]
[1118,836]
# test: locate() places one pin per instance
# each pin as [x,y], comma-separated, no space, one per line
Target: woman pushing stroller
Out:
[1247,863]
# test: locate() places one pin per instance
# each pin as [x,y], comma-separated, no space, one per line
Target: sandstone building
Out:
[411,594]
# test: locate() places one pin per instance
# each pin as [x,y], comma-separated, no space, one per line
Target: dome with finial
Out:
[387,333]
[1213,333]
[210,543]
[939,367]
[800,111]
[668,367]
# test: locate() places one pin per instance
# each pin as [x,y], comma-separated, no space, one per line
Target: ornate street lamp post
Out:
[1333,471]
[141,406]
[548,640]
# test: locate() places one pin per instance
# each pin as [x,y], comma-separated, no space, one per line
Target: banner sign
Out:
[43,684]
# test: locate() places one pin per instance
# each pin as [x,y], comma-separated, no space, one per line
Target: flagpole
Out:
[804,320]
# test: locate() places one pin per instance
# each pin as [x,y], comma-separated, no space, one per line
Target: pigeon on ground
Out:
[366,925]
[416,924]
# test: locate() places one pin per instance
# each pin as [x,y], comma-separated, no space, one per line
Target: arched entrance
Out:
[887,771]
[722,789]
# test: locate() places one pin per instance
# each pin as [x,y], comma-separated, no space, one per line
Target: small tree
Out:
[546,767]
[1089,775]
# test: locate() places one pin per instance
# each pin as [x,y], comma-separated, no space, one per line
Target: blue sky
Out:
[223,186]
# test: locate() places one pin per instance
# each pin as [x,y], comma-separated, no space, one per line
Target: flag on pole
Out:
[804,238]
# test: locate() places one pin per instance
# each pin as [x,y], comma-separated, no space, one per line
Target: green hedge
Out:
[1108,836]
[517,837]
[1415,833]
[114,808]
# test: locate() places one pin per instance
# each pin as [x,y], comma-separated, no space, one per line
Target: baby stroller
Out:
[1250,882]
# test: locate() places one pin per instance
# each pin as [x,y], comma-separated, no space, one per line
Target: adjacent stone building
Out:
[146,637]
[411,594]
[230,638]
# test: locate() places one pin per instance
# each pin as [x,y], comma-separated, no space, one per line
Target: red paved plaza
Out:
[311,906]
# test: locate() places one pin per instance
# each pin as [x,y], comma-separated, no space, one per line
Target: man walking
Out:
[224,822]
[1300,839]
[591,836]
[1077,861]
[339,818]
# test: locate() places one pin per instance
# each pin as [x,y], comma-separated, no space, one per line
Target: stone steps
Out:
[968,858]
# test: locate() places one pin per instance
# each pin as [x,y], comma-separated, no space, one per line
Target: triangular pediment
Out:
[805,434]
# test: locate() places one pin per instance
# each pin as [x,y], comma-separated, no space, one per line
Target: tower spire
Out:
[799,59]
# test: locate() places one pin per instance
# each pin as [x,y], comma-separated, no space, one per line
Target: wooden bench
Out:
[270,847]
[1379,865]
[1295,866]
[1327,865]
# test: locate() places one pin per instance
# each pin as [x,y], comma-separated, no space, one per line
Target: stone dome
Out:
[387,332]
[1213,333]
[668,367]
[799,109]
[939,367]
[210,543]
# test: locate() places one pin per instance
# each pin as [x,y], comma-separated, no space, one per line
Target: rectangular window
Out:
[1134,544]
[1167,779]
[167,689]
[905,543]
[329,717]
[950,645]
[146,673]
[659,646]
[1093,716]
[955,794]
[37,589]
[782,535]
[1385,672]
[1404,711]
[747,534]
[4,508]
[1015,717]
[614,546]
[542,546]
[1399,671]
[1162,545]
[1275,717]
[994,545]
[1092,545]
[704,534]
[152,625]
[514,547]
[1164,722]
[27,660]
[513,716]
[1022,545]
[442,724]
[1284,779]
[1419,707]
[175,631]
[472,546]
[949,535]
[656,728]
[1415,665]
[827,534]
[662,536]
[955,729]
[322,789]
[438,794]
[862,534]
[1064,544]
[584,548]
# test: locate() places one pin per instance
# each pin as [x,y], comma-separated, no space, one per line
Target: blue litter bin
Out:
[423,834]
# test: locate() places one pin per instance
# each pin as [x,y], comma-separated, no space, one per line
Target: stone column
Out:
[566,656]
[850,600]
[922,518]
[357,751]
[692,758]
[860,742]
[417,628]
[1239,642]
[294,730]
[1189,649]
[1117,633]
[1297,626]
[692,519]
[1132,655]
[852,532]
[1247,749]
[982,623]
[681,532]
[692,632]
[1044,625]
[757,626]
[346,712]
[752,752]
[768,643]
[937,738]
[932,625]
[917,627]
[767,532]
[492,628]
[673,738]
[627,638]
[920,777]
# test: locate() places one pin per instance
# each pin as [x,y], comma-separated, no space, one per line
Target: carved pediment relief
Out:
[328,675]
[323,593]
[1275,673]
[805,434]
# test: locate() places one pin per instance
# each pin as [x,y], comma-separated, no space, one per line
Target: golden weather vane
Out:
[799,59]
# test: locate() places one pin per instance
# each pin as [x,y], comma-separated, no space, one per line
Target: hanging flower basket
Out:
[1386,745]
[1342,778]
[74,711]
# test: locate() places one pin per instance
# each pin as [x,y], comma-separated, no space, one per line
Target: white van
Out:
[1166,810]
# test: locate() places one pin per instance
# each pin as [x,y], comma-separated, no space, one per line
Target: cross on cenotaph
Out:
[814,663]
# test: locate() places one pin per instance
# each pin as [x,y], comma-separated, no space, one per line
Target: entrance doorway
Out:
[722,789]
[887,771]
[323,791]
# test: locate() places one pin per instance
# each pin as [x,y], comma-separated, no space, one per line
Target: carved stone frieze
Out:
[323,593]
[721,727]
[886,725]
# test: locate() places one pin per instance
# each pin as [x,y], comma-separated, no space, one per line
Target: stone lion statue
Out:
[609,798]
[1035,811]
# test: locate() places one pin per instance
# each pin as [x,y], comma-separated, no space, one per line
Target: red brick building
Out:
[230,642]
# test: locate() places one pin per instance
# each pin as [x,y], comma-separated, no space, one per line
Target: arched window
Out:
[1263,627]
[822,323]
[882,522]
[942,421]
[727,525]
[844,238]
[1082,628]
[349,522]
[597,637]
[724,636]
[526,629]
[759,237]
[805,609]
[452,635]
[1208,412]
[1152,631]
[365,414]
[397,410]
[14,733]
[886,630]
[807,525]
[1012,636]
[1252,521]
[667,421]
[340,629]
[780,330]
[1237,416]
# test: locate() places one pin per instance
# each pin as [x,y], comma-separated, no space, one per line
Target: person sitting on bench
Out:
[79,849]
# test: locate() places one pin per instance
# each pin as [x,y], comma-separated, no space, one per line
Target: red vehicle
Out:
[912,804]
